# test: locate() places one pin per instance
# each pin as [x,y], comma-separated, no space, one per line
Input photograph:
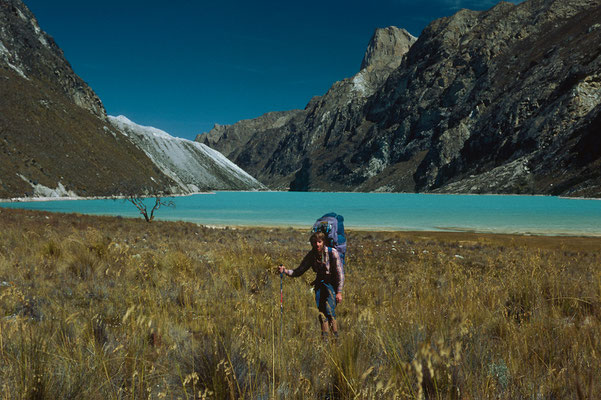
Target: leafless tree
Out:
[143,207]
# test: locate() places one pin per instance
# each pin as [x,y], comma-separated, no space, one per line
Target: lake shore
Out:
[62,198]
[519,215]
[67,198]
[548,241]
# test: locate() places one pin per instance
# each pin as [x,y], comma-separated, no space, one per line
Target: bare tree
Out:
[143,207]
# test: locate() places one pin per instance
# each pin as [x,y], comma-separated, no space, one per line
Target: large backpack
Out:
[332,225]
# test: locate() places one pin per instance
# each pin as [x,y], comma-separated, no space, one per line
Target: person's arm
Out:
[301,269]
[339,273]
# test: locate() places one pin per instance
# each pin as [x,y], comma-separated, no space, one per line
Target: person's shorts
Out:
[325,298]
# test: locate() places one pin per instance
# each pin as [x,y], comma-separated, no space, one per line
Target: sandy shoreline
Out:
[66,198]
[63,198]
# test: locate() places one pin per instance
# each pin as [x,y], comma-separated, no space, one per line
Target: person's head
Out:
[318,240]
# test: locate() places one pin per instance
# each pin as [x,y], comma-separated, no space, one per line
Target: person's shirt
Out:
[327,266]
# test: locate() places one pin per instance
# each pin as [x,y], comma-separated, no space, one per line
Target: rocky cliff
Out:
[55,137]
[500,101]
[288,149]
[33,55]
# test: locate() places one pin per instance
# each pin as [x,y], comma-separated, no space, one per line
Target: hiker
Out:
[326,263]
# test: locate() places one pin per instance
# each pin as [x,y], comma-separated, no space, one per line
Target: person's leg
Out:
[320,301]
[333,327]
[326,303]
[331,304]
[327,307]
[323,322]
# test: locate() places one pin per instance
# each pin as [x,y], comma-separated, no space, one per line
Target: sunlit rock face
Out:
[499,101]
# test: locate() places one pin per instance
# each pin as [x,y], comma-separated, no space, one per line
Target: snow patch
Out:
[3,49]
[359,84]
[108,130]
[125,123]
[21,15]
[44,191]
[35,26]
[18,71]
[191,165]
[6,55]
[39,33]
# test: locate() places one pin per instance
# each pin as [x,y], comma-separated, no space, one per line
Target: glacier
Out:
[194,166]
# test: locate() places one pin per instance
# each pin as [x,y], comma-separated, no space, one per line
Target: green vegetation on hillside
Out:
[111,308]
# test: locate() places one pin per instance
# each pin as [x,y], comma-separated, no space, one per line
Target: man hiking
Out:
[325,261]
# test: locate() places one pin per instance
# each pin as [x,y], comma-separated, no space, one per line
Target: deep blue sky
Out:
[184,65]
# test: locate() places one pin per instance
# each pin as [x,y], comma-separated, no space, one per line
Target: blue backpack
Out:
[332,225]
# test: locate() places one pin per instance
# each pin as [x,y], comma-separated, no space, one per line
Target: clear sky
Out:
[184,65]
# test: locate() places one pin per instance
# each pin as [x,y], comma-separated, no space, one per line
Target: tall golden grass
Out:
[111,308]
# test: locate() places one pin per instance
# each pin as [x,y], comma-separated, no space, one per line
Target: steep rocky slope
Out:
[53,133]
[501,101]
[193,166]
[286,149]
[55,138]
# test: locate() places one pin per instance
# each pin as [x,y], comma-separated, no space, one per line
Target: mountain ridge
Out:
[498,101]
[55,136]
[251,145]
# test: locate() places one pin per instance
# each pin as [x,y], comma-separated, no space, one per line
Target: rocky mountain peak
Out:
[28,51]
[387,46]
[506,100]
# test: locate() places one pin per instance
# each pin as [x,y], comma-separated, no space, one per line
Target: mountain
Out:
[55,137]
[193,166]
[282,149]
[506,100]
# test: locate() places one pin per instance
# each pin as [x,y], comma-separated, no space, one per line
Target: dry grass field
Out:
[112,308]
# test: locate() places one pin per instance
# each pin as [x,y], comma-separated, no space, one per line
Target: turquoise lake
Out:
[381,211]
